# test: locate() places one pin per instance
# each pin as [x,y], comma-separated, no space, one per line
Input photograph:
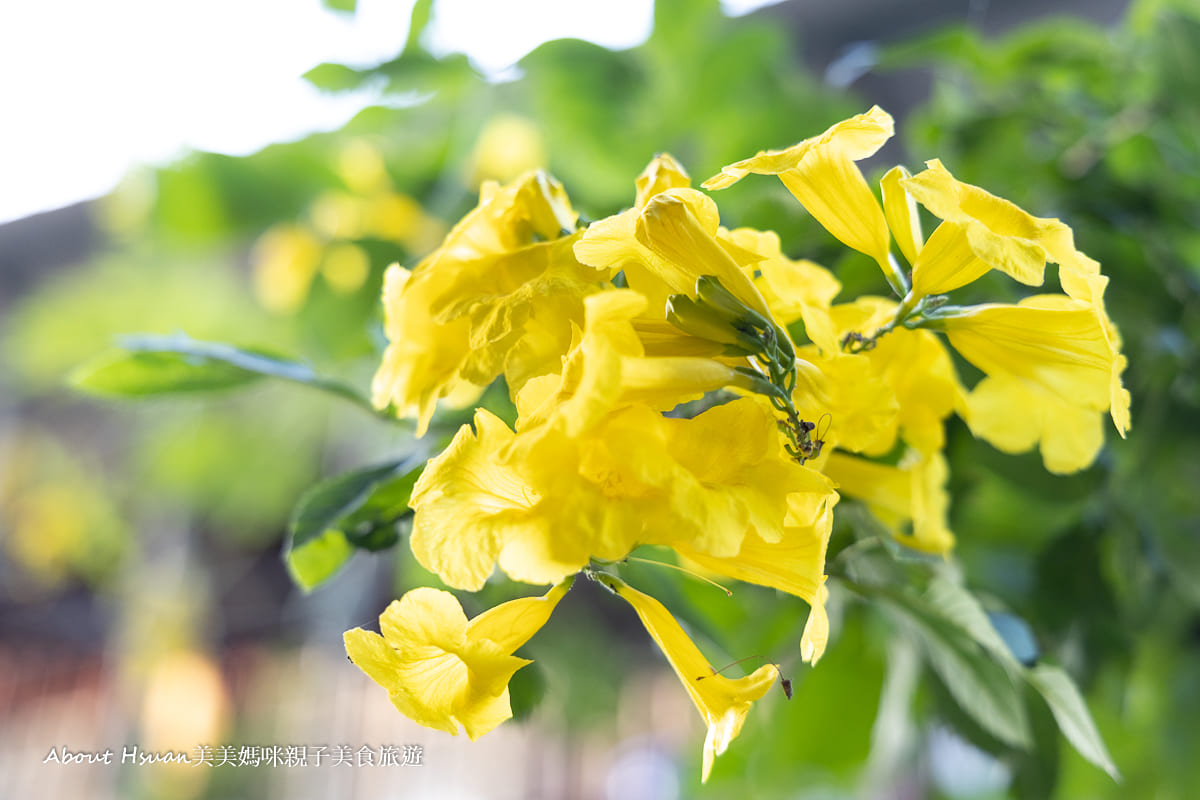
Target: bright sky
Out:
[91,88]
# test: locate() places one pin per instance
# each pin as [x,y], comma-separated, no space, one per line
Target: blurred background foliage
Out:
[150,531]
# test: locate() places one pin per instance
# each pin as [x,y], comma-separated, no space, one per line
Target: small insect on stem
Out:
[786,683]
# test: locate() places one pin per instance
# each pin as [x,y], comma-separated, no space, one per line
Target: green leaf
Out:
[983,688]
[350,511]
[526,689]
[330,77]
[347,6]
[420,18]
[188,364]
[319,558]
[123,374]
[1071,713]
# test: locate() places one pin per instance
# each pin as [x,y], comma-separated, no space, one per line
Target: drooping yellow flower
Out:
[441,670]
[979,232]
[910,498]
[499,296]
[723,702]
[1050,367]
[822,174]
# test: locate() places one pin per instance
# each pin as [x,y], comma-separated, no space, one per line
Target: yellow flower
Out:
[723,702]
[607,368]
[914,364]
[610,243]
[979,232]
[822,174]
[499,296]
[794,564]
[542,503]
[910,499]
[863,414]
[285,260]
[508,145]
[1050,366]
[441,670]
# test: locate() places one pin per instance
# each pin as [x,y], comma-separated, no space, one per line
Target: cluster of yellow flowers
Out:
[599,331]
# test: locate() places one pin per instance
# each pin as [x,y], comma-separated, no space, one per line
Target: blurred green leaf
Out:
[318,560]
[125,374]
[352,510]
[983,688]
[525,690]
[330,77]
[192,364]
[1071,713]
[340,5]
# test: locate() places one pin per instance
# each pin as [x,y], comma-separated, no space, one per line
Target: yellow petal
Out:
[830,187]
[680,227]
[1048,340]
[900,210]
[662,173]
[816,630]
[820,172]
[858,137]
[999,233]
[466,504]
[946,262]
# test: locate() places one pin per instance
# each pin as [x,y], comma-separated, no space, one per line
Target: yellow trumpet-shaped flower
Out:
[723,702]
[441,670]
[910,498]
[1050,364]
[680,227]
[499,296]
[822,174]
[979,232]
[610,243]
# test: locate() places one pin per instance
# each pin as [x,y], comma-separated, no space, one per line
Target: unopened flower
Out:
[723,702]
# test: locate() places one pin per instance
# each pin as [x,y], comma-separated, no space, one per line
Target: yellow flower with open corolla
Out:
[979,232]
[442,670]
[1050,366]
[499,296]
